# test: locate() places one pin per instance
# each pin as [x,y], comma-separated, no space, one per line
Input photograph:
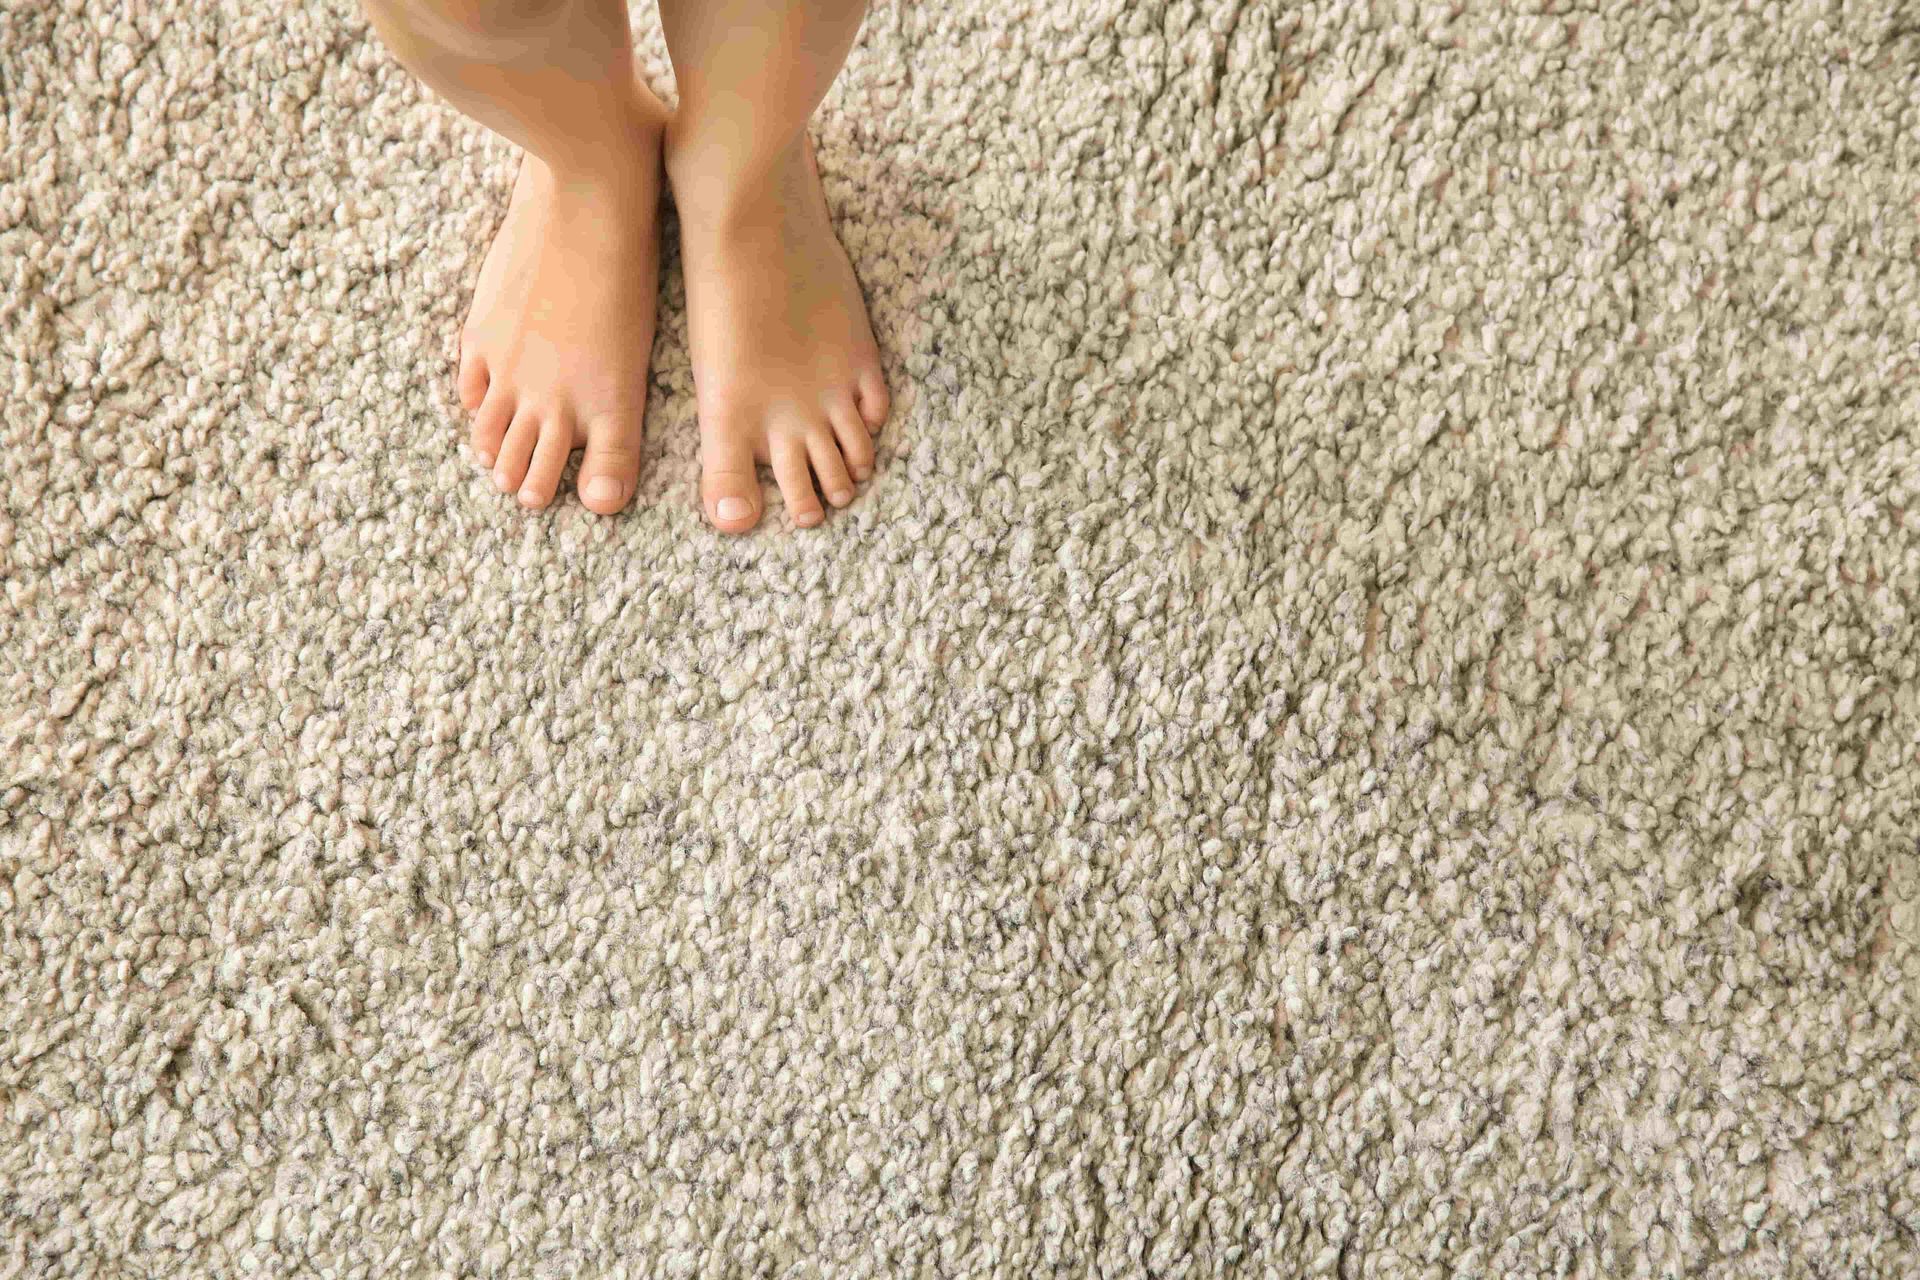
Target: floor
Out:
[1365,726]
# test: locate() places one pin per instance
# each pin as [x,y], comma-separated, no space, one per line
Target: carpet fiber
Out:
[1365,726]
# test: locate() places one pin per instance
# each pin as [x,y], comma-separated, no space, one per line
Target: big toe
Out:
[729,487]
[875,402]
[610,468]
[472,381]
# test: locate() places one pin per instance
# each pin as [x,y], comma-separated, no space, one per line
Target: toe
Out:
[823,451]
[875,403]
[549,460]
[472,382]
[729,489]
[795,477]
[856,442]
[490,423]
[515,449]
[611,466]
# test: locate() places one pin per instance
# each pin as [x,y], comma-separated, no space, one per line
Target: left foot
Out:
[785,367]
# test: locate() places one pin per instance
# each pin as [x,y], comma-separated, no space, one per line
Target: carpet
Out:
[1365,726]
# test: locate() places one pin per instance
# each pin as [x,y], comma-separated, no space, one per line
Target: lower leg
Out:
[554,353]
[785,366]
[554,76]
[749,73]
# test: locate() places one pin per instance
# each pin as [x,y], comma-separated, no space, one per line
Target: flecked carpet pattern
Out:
[1365,725]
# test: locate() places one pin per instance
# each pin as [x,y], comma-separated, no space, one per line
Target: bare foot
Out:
[784,363]
[554,353]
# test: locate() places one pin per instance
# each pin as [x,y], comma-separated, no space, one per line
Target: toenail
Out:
[603,489]
[529,497]
[500,481]
[486,459]
[841,497]
[733,509]
[862,471]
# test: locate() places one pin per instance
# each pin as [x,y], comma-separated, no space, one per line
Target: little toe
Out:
[856,442]
[549,460]
[515,449]
[490,423]
[795,477]
[472,381]
[823,451]
[729,487]
[875,403]
[611,467]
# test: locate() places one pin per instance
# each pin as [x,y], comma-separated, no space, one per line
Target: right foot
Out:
[554,353]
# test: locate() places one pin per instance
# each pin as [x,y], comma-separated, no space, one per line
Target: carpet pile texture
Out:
[1365,726]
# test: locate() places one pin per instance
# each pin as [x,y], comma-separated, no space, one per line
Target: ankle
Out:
[624,159]
[719,187]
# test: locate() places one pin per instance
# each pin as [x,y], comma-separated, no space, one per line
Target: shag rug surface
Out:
[1366,725]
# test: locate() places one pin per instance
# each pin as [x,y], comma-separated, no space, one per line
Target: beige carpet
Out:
[1366,726]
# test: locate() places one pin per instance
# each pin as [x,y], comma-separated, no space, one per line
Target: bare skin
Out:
[555,350]
[554,354]
[786,370]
